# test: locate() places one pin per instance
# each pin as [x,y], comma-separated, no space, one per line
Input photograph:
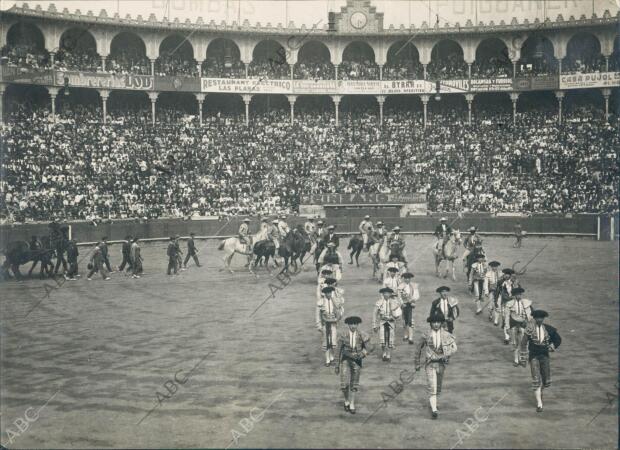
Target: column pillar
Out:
[514,96]
[200,98]
[381,100]
[336,70]
[103,58]
[104,94]
[560,96]
[2,88]
[292,71]
[559,66]
[336,99]
[470,99]
[607,63]
[514,69]
[425,99]
[247,70]
[606,94]
[381,72]
[52,60]
[153,96]
[424,67]
[53,94]
[469,71]
[199,67]
[152,67]
[291,100]
[247,98]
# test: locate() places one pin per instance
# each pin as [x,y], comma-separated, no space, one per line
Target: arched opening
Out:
[130,106]
[583,54]
[223,60]
[494,106]
[492,60]
[269,61]
[403,62]
[221,106]
[537,57]
[176,57]
[25,47]
[316,107]
[614,59]
[314,62]
[358,62]
[584,103]
[79,103]
[21,101]
[128,55]
[447,61]
[78,51]
[275,107]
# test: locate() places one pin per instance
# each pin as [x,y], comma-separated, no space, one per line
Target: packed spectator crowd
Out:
[81,169]
[314,68]
[450,67]
[494,67]
[358,70]
[403,70]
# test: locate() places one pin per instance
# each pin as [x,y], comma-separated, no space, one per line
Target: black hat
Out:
[480,256]
[192,234]
[408,275]
[326,271]
[328,289]
[392,269]
[104,238]
[353,320]
[394,255]
[442,288]
[386,290]
[540,314]
[508,271]
[518,290]
[495,264]
[128,237]
[437,317]
[330,280]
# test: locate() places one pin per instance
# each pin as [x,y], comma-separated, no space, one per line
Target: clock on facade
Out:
[358,20]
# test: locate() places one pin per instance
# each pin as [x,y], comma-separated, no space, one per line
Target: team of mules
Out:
[41,250]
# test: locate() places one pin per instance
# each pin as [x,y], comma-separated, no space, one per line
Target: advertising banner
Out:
[315,86]
[139,82]
[22,75]
[491,85]
[91,79]
[360,87]
[246,86]
[363,199]
[406,87]
[177,83]
[534,83]
[589,80]
[453,86]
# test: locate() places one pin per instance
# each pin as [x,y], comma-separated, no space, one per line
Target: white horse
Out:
[234,245]
[379,253]
[446,250]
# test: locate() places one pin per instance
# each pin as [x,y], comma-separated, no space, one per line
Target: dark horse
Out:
[293,247]
[263,251]
[19,252]
[356,245]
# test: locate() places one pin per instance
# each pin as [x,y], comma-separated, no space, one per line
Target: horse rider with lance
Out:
[331,258]
[310,229]
[244,234]
[331,236]
[443,229]
[365,228]
[329,311]
[399,241]
[470,242]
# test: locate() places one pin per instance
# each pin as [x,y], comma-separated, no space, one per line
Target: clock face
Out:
[358,20]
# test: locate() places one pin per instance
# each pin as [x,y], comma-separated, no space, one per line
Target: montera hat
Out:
[353,320]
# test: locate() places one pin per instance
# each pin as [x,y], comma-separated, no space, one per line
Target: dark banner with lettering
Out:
[535,83]
[139,82]
[363,199]
[180,83]
[23,75]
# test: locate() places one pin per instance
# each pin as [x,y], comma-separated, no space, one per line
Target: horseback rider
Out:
[443,229]
[470,242]
[283,226]
[274,235]
[331,259]
[35,244]
[310,229]
[244,233]
[331,237]
[320,232]
[399,243]
[365,228]
[378,234]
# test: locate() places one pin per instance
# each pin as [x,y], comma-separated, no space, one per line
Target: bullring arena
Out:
[149,162]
